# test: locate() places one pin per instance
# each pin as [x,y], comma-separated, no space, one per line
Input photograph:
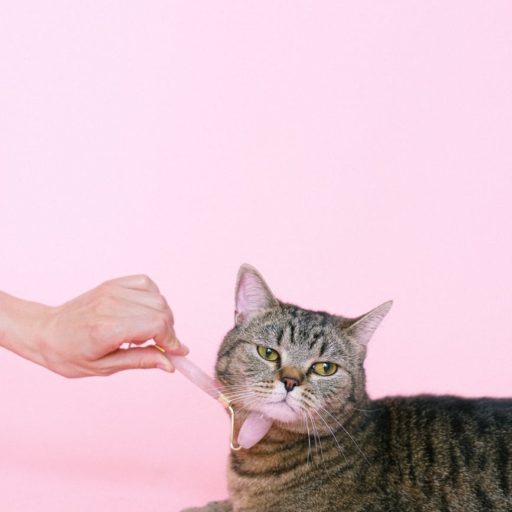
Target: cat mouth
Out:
[281,410]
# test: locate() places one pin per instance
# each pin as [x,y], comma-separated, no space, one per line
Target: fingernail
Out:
[180,350]
[171,343]
[174,345]
[165,367]
[184,349]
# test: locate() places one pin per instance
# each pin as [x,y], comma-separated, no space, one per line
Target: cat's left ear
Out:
[252,294]
[362,328]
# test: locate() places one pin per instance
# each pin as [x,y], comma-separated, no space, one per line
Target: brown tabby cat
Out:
[331,448]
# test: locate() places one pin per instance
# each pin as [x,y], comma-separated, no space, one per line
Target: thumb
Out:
[134,358]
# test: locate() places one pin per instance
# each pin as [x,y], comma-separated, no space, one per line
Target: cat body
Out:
[430,454]
[333,449]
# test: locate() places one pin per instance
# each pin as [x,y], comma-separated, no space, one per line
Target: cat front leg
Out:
[213,506]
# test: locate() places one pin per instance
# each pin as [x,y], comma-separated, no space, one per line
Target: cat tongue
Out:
[253,430]
[254,427]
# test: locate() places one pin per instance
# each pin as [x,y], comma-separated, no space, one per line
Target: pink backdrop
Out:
[352,151]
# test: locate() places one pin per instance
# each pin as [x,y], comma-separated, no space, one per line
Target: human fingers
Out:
[136,282]
[134,314]
[133,358]
[146,298]
[138,328]
[179,350]
[149,299]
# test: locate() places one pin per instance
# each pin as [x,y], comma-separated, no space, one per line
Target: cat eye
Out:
[325,369]
[268,353]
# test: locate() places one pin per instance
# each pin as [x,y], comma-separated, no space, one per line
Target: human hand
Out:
[83,337]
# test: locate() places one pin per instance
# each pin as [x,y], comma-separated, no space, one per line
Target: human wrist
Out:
[22,326]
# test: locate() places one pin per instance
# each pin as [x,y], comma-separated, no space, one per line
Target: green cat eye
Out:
[325,369]
[267,353]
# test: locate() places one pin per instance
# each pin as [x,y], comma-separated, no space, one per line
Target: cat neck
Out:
[353,417]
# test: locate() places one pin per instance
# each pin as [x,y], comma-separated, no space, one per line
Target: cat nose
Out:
[289,383]
[291,376]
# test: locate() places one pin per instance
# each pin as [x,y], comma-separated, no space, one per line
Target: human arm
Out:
[83,336]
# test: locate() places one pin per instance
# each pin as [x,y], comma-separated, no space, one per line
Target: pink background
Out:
[352,151]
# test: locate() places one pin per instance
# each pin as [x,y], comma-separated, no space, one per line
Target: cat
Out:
[333,449]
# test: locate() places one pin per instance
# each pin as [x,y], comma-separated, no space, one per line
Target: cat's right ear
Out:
[252,294]
[363,327]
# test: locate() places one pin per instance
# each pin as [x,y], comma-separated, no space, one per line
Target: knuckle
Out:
[160,301]
[145,281]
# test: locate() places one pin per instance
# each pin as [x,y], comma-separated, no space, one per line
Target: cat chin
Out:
[281,412]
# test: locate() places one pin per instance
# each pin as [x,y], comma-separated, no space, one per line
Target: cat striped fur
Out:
[331,448]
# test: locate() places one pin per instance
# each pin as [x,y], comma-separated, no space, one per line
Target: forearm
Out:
[20,323]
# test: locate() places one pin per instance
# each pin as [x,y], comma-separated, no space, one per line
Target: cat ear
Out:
[252,294]
[363,327]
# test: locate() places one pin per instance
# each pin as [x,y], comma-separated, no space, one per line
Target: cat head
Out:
[290,363]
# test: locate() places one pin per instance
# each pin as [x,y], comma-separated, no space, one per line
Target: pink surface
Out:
[353,152]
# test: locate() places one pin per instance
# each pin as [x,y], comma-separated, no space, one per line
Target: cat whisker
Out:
[313,432]
[240,401]
[311,406]
[223,375]
[246,407]
[225,390]
[309,437]
[242,386]
[346,432]
[228,386]
[333,435]
[240,394]
[317,436]
[314,428]
[306,422]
